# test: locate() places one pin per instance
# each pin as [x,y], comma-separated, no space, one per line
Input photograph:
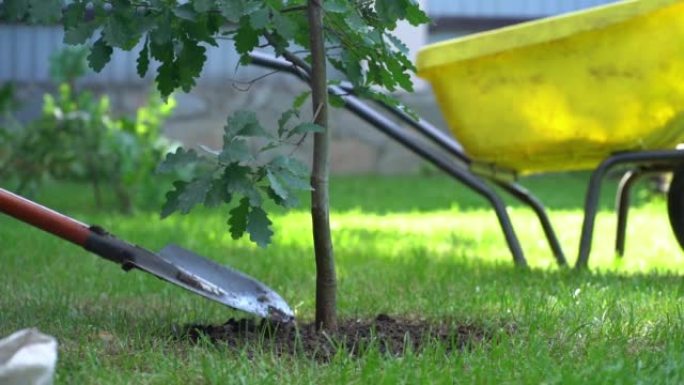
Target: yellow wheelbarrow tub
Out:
[564,93]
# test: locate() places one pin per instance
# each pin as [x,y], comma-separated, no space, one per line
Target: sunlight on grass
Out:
[450,234]
[620,323]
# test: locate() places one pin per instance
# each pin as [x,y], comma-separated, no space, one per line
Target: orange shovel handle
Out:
[43,218]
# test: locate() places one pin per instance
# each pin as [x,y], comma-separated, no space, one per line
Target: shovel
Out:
[173,263]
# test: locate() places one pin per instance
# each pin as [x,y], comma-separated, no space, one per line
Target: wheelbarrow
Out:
[598,89]
[173,263]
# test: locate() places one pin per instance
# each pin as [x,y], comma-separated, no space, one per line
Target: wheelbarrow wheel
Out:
[675,205]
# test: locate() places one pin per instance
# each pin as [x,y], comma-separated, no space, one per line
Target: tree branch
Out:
[250,83]
[290,56]
[294,8]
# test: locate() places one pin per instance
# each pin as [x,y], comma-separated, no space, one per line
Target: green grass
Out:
[418,247]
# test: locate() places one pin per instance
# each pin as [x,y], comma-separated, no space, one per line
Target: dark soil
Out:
[386,334]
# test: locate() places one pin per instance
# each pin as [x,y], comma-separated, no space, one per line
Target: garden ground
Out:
[419,249]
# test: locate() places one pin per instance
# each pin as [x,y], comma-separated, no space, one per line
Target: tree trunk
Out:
[326,282]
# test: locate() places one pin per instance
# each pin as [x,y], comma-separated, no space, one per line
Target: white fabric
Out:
[27,357]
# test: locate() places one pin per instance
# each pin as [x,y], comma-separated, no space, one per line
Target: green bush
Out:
[77,138]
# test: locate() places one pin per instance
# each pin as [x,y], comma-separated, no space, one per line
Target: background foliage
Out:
[176,35]
[78,138]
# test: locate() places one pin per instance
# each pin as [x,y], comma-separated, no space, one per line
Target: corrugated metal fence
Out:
[25,50]
[25,53]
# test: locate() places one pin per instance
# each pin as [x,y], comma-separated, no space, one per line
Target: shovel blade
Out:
[223,284]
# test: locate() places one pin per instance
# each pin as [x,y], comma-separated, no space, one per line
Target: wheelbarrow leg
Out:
[623,199]
[451,167]
[590,208]
[622,205]
[652,160]
[524,196]
[509,233]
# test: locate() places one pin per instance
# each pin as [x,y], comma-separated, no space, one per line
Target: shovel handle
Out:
[43,218]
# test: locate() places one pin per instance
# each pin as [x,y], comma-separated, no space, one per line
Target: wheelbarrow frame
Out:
[445,152]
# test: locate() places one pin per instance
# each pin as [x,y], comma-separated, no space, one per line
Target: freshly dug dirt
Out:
[384,333]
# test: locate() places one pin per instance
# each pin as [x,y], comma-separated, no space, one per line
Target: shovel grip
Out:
[43,218]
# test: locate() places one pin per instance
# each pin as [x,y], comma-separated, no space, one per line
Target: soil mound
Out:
[387,334]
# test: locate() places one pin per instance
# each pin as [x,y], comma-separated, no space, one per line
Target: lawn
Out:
[413,247]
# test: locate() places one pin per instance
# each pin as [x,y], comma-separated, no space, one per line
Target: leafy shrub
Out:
[77,138]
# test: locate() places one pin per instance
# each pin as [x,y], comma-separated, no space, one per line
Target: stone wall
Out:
[356,148]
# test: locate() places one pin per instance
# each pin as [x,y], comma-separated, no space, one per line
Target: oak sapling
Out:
[355,37]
